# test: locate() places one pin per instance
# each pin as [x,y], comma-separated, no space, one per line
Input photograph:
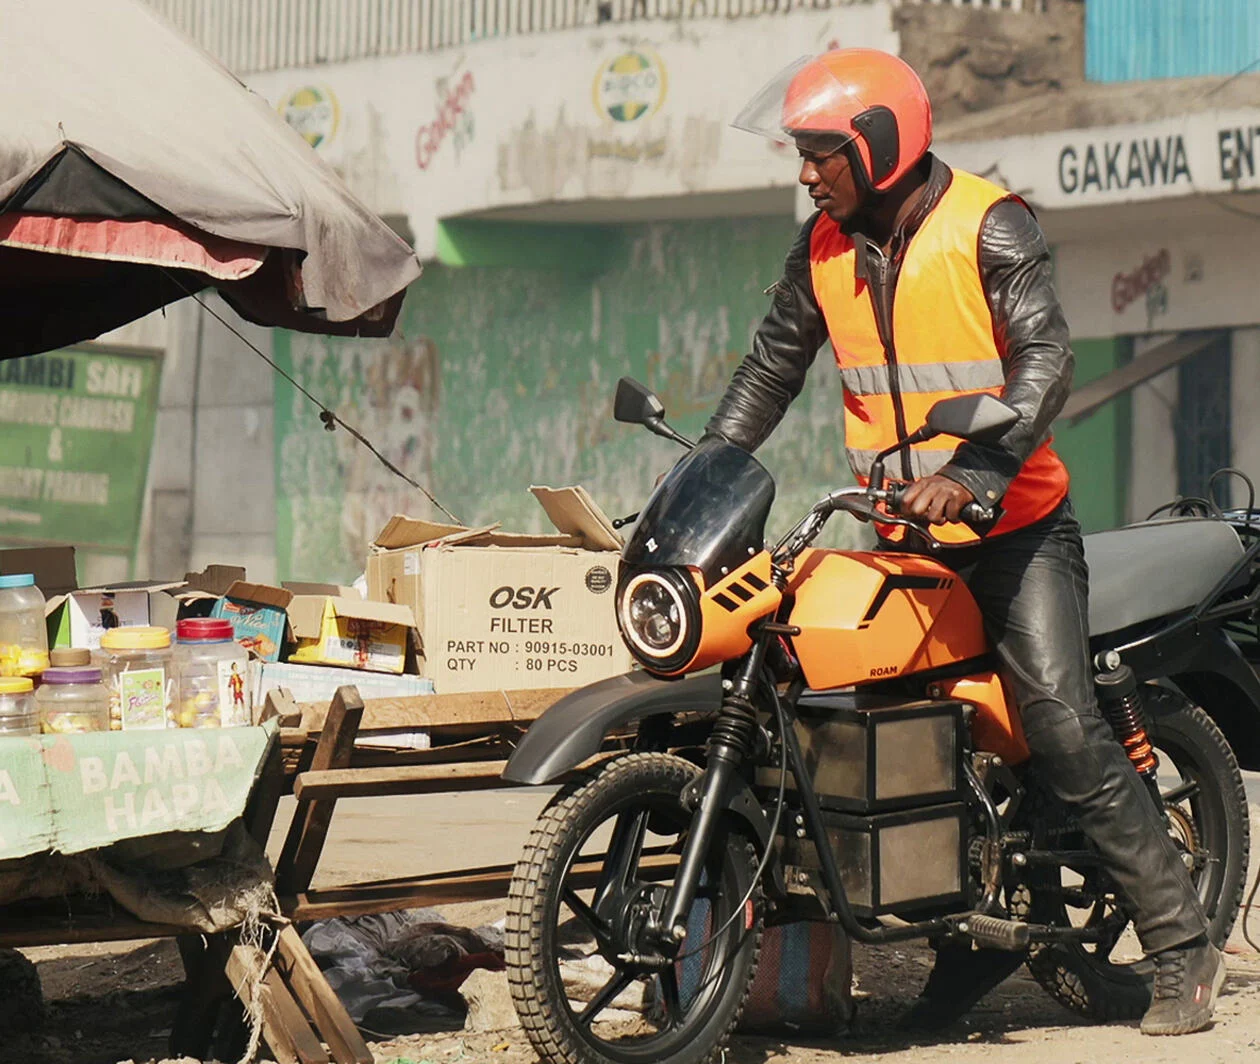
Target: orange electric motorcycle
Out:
[821,735]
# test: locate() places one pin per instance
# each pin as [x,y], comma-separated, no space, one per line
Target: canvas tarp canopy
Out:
[135,168]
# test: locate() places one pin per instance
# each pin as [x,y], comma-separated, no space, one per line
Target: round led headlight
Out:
[659,618]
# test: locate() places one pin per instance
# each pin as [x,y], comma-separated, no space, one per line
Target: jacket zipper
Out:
[883,323]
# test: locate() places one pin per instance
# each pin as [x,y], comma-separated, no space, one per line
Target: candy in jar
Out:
[211,675]
[138,675]
[72,699]
[23,635]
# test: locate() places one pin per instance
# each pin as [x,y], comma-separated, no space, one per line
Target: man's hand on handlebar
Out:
[936,499]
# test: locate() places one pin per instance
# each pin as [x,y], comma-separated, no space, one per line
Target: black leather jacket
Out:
[1028,324]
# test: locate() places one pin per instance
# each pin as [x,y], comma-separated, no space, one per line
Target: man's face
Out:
[825,171]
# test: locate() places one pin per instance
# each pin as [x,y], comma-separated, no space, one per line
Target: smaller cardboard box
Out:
[81,617]
[351,633]
[200,591]
[502,611]
[258,612]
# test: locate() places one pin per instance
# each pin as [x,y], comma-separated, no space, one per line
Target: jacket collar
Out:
[939,178]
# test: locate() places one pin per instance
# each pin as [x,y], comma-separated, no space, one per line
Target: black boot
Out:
[959,979]
[1187,980]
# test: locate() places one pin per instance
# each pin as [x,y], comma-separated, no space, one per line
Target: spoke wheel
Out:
[1206,805]
[594,875]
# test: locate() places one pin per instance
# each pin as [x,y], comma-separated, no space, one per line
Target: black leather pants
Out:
[1032,586]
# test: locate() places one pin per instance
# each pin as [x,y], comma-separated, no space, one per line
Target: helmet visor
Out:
[804,100]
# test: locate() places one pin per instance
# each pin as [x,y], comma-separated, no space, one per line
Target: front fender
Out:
[574,728]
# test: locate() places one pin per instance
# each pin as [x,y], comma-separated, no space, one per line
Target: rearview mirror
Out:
[980,418]
[636,404]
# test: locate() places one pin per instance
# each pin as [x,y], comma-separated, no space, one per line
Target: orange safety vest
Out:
[942,344]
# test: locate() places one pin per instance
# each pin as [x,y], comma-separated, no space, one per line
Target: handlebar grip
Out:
[975,514]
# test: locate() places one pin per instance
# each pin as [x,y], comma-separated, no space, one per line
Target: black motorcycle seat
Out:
[1155,569]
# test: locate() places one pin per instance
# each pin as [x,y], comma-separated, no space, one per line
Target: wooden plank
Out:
[445,888]
[309,830]
[402,779]
[313,993]
[280,704]
[206,987]
[260,812]
[475,709]
[284,1026]
[71,920]
[356,782]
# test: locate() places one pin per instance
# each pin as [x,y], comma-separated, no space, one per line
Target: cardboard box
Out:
[302,587]
[317,683]
[508,611]
[79,618]
[52,567]
[258,612]
[200,591]
[351,633]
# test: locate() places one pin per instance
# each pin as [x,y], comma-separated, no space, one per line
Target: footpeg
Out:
[992,932]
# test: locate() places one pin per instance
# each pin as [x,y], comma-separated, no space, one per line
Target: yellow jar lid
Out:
[138,638]
[16,685]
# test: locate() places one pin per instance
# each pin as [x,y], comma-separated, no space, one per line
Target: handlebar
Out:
[976,517]
[861,502]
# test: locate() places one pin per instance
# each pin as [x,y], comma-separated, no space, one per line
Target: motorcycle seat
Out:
[1155,569]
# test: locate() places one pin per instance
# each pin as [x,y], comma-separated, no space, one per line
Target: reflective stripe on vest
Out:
[943,342]
[933,377]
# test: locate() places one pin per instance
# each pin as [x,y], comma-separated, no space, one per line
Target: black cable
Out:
[1251,488]
[1190,506]
[1246,914]
[328,417]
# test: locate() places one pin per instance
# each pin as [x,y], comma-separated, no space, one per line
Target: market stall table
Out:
[85,819]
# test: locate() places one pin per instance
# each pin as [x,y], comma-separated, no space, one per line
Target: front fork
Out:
[729,744]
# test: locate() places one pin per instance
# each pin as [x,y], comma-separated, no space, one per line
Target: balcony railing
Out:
[250,36]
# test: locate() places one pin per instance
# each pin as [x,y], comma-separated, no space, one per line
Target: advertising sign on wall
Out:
[76,427]
[573,116]
[1211,151]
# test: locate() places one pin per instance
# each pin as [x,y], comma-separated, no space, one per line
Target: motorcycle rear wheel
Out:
[689,1008]
[1207,806]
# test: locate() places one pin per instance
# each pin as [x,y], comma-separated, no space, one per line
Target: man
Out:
[931,282]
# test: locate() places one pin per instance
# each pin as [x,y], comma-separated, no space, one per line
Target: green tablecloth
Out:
[71,793]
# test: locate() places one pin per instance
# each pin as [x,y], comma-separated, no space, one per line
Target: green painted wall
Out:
[1096,450]
[502,377]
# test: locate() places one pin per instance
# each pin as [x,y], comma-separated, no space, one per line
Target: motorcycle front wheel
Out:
[595,868]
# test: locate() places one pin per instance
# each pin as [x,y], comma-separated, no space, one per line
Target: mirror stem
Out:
[876,479]
[658,426]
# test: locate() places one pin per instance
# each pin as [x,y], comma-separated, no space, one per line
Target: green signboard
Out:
[75,432]
[70,793]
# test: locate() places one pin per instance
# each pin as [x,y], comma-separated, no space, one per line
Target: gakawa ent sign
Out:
[1207,152]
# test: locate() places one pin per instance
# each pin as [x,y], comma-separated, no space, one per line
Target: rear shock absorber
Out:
[1121,704]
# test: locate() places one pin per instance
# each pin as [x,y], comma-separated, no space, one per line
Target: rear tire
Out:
[1094,986]
[707,1002]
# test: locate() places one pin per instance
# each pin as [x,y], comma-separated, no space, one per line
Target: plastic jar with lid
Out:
[72,700]
[138,675]
[18,715]
[69,657]
[212,675]
[23,635]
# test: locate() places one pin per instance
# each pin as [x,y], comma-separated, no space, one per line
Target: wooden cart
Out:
[317,760]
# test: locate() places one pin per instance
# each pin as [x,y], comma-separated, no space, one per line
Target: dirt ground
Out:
[112,1003]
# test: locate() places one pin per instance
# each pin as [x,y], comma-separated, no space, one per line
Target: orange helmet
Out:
[871,102]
